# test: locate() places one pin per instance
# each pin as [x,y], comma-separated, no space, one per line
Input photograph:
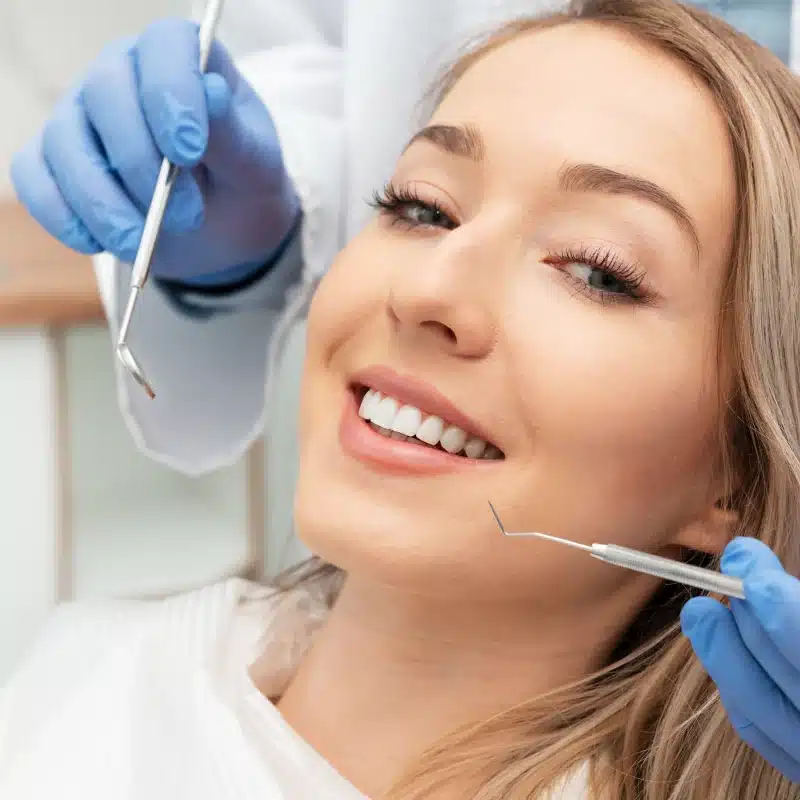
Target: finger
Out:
[218,95]
[72,153]
[765,650]
[744,555]
[741,681]
[111,100]
[773,598]
[171,89]
[772,594]
[38,192]
[762,744]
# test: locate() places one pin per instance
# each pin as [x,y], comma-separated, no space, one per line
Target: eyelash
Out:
[396,202]
[628,276]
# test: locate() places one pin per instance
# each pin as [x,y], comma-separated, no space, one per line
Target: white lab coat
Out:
[342,114]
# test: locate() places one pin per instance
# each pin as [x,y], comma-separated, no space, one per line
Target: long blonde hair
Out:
[651,724]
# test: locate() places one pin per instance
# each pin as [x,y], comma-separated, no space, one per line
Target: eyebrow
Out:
[594,178]
[458,140]
[466,141]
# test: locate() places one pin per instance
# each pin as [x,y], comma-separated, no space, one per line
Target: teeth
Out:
[431,431]
[371,398]
[475,448]
[383,413]
[405,422]
[453,440]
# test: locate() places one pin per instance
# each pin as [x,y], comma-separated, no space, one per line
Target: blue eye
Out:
[602,275]
[405,206]
[423,214]
[599,279]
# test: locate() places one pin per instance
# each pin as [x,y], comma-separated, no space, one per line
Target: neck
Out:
[391,673]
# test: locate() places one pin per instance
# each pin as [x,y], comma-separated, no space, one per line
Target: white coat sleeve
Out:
[209,374]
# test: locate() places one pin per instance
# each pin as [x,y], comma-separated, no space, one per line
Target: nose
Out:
[446,300]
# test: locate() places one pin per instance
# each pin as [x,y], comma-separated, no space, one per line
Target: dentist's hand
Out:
[89,176]
[752,652]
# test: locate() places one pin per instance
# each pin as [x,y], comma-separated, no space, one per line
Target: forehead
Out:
[591,93]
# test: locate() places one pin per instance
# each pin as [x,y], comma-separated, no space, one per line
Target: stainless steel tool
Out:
[636,560]
[155,215]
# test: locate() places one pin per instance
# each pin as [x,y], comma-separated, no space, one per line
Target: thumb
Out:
[744,557]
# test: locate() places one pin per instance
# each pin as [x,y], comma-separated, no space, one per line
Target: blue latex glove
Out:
[752,652]
[89,176]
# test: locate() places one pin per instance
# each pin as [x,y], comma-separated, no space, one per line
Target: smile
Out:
[402,425]
[403,422]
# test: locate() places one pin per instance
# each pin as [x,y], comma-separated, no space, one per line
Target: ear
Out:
[712,531]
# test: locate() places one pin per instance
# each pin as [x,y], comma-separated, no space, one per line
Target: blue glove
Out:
[752,652]
[89,176]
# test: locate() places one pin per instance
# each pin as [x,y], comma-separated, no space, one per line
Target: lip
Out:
[394,456]
[414,392]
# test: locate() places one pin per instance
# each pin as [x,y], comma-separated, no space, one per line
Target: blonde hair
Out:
[651,724]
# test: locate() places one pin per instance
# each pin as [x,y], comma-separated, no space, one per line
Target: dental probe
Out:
[155,215]
[636,560]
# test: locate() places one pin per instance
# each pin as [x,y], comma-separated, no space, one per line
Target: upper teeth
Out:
[407,421]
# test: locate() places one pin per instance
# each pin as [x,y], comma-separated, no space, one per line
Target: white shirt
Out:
[154,701]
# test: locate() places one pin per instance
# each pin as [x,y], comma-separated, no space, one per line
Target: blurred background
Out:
[83,515]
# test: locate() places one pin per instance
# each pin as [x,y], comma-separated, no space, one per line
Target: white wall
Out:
[46,44]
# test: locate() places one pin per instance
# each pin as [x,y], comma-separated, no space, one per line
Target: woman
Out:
[603,244]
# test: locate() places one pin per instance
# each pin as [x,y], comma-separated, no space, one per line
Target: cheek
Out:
[623,406]
[345,306]
[351,292]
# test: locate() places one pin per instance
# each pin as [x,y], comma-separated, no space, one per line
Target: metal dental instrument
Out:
[636,560]
[155,215]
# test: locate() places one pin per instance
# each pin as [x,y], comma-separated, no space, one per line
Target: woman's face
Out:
[545,281]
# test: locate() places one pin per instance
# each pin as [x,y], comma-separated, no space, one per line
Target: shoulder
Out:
[78,633]
[85,646]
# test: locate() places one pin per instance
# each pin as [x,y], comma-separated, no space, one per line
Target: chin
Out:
[356,529]
[415,533]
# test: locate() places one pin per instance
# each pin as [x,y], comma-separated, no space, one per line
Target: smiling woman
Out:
[577,299]
[608,259]
[559,253]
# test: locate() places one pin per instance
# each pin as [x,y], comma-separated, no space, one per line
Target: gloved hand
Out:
[89,176]
[752,652]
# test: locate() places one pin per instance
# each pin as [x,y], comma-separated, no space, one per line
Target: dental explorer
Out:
[155,215]
[636,560]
